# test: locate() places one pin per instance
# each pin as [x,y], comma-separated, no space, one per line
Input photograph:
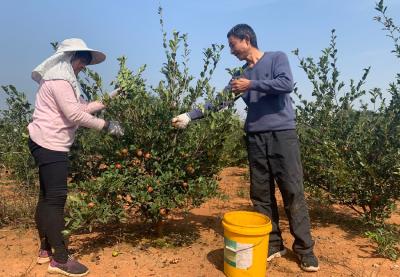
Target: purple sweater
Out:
[268,100]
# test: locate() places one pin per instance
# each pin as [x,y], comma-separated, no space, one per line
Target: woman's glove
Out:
[115,92]
[114,128]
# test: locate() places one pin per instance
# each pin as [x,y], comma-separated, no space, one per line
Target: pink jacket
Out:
[58,114]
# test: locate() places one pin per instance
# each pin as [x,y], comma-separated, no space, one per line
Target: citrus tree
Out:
[154,168]
[349,139]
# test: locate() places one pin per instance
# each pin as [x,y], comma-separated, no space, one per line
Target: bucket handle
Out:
[236,251]
[240,250]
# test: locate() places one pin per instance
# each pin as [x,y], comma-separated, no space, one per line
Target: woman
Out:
[59,110]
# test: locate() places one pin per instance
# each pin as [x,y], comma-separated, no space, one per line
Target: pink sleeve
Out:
[66,101]
[91,107]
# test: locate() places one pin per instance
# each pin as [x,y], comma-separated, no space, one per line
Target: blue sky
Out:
[132,28]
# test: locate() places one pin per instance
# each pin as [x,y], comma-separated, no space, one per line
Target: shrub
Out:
[154,168]
[14,153]
[352,152]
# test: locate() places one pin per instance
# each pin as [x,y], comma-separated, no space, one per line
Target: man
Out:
[272,142]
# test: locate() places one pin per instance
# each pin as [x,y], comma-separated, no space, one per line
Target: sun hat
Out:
[58,66]
[77,44]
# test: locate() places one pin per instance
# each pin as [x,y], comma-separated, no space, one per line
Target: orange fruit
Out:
[128,199]
[135,162]
[103,166]
[189,169]
[163,211]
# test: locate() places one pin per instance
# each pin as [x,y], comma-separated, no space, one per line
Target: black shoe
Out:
[70,268]
[275,252]
[308,262]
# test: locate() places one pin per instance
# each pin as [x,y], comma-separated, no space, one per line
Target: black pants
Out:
[49,216]
[274,158]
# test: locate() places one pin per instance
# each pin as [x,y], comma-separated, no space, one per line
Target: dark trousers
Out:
[274,158]
[49,216]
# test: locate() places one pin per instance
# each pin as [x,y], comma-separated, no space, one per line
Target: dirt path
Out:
[193,244]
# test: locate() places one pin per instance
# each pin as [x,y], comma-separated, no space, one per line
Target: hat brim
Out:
[97,56]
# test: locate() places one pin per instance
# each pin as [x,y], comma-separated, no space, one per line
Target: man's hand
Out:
[181,121]
[240,85]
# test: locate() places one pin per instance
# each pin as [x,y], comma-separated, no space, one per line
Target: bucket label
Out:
[238,255]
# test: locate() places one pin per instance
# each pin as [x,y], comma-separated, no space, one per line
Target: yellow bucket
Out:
[246,236]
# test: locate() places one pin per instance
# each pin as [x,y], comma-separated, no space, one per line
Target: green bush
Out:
[350,143]
[387,239]
[154,167]
[352,152]
[14,153]
[234,148]
[17,203]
